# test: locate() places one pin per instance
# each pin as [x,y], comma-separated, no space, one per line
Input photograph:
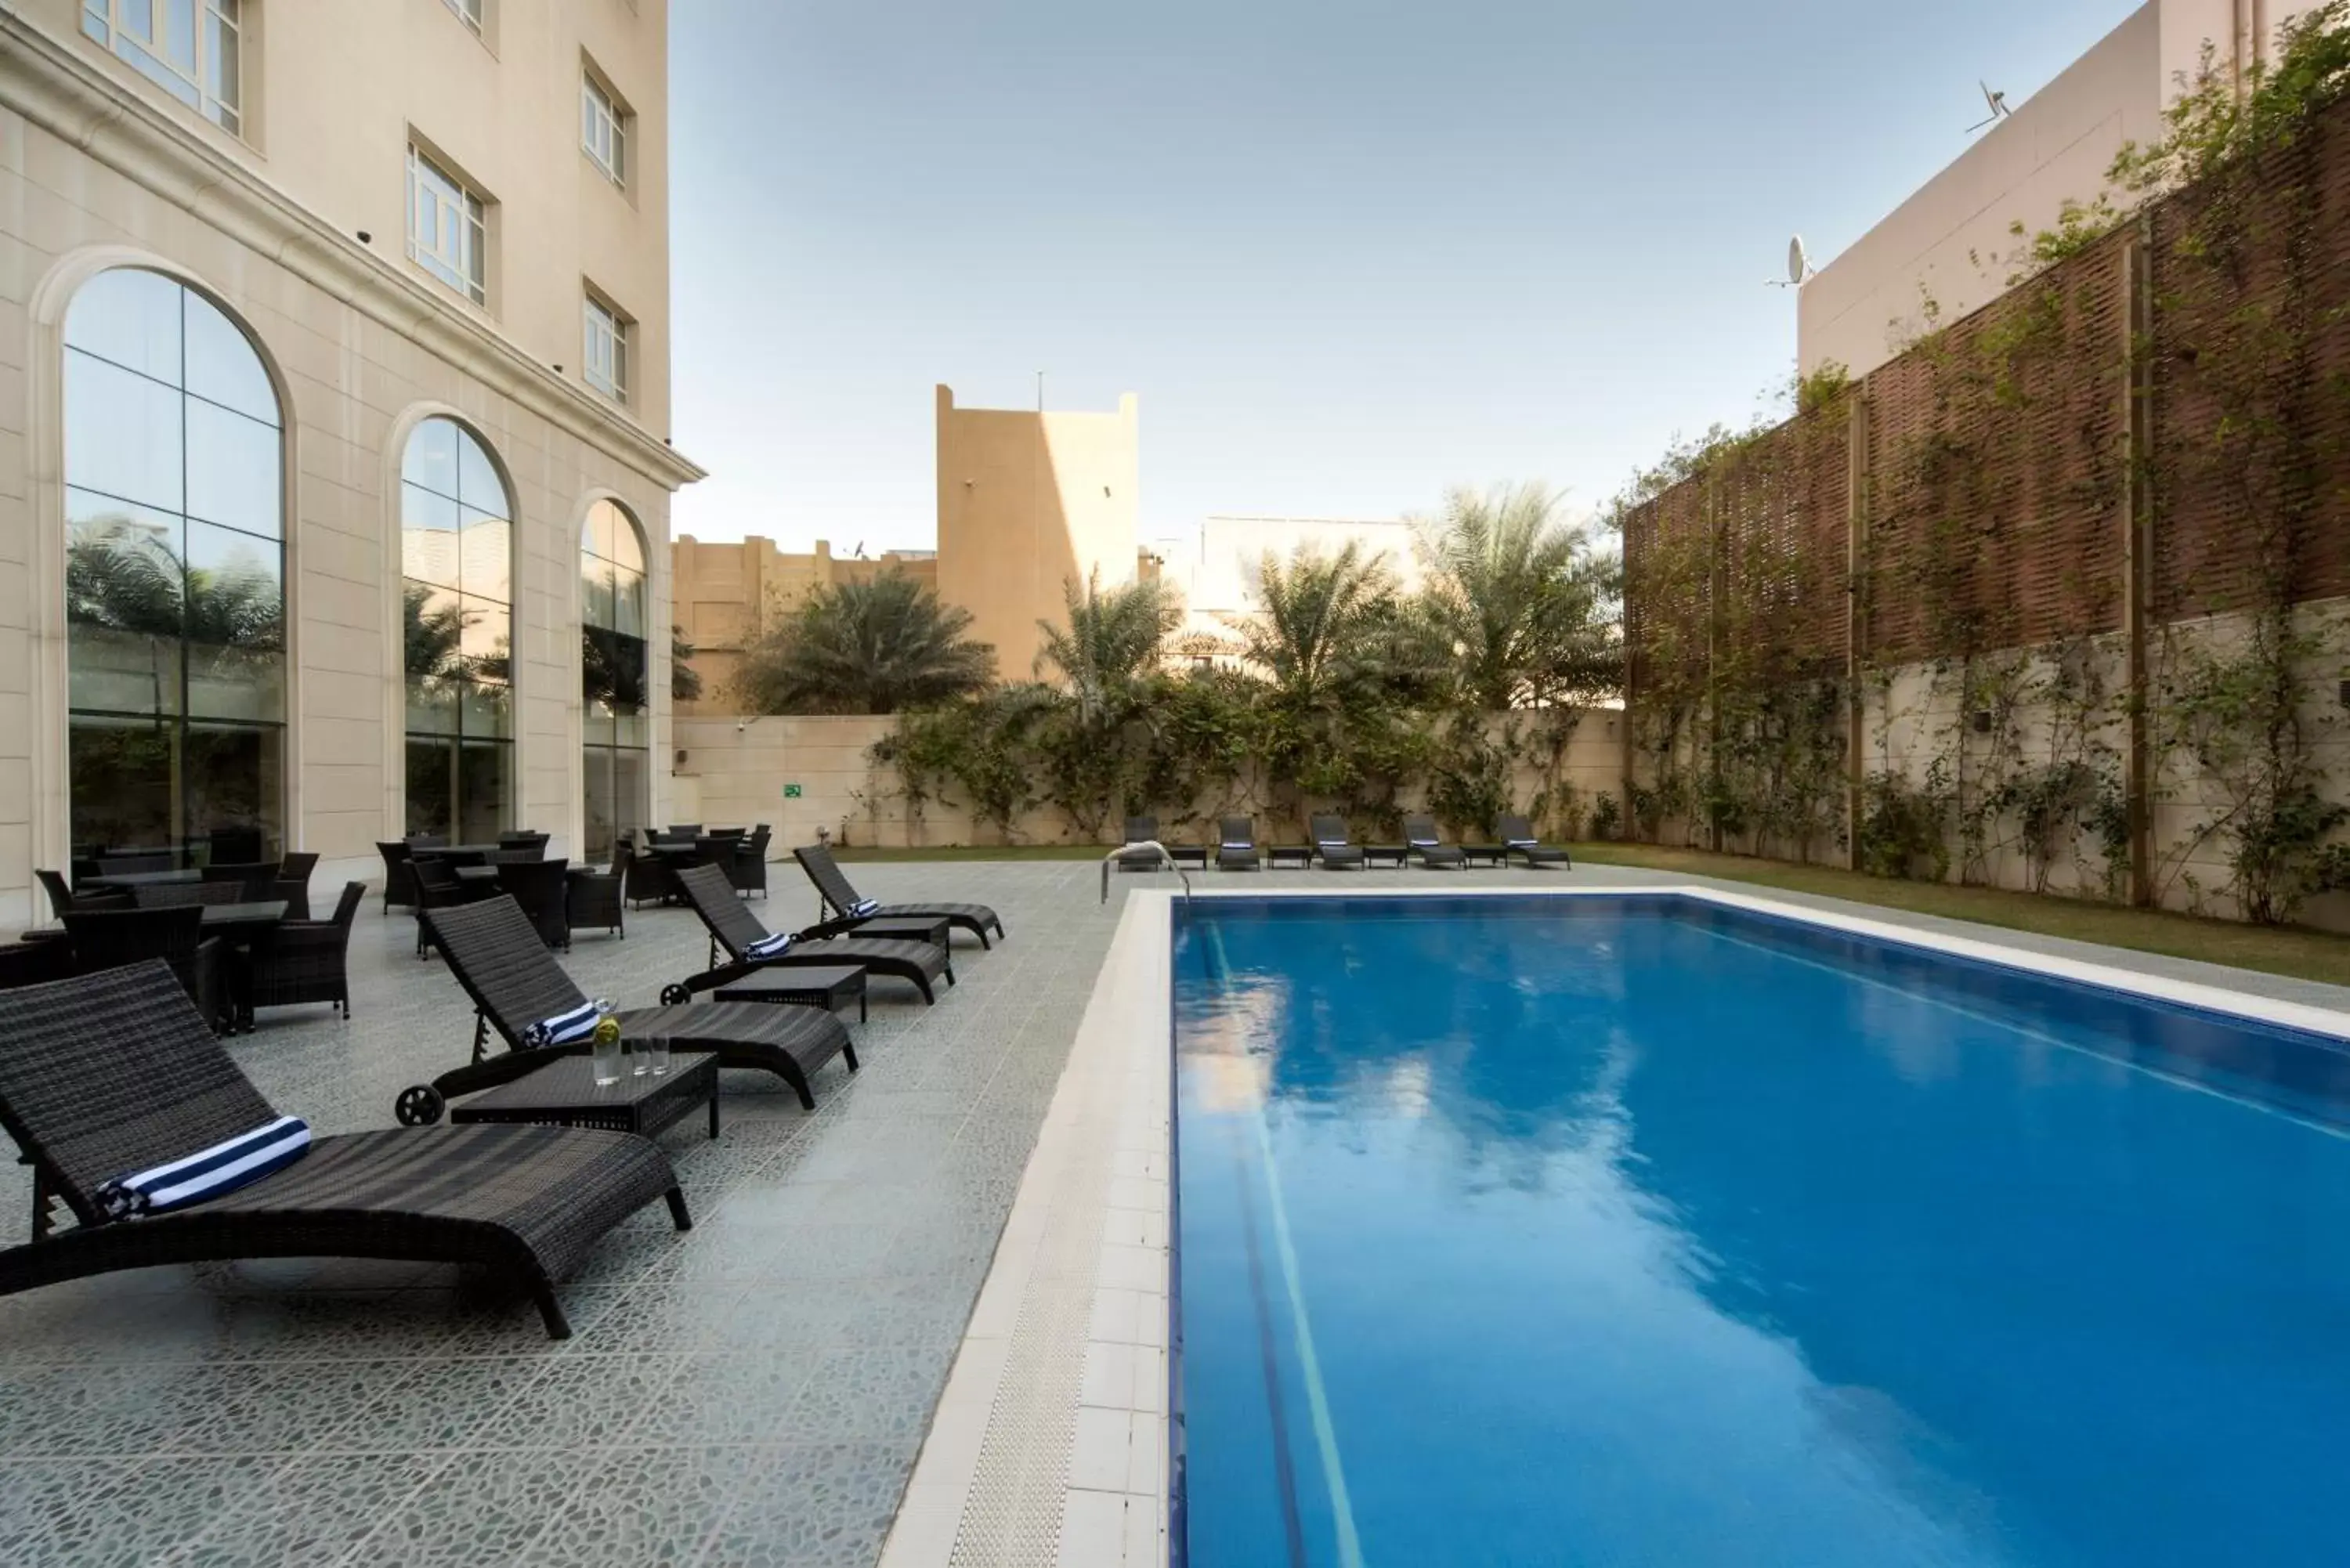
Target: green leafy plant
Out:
[864,647]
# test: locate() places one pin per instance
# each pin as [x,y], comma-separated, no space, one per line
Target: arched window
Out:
[175,577]
[616,708]
[456,595]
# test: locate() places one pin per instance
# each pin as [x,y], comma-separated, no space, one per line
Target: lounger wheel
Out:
[418,1106]
[675,995]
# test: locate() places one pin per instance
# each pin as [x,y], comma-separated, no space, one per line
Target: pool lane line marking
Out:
[1285,1470]
[1317,1395]
[2175,1080]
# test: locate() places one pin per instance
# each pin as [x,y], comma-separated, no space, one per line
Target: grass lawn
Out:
[2291,950]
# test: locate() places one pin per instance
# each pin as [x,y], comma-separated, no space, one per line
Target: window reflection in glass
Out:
[457,561]
[614,667]
[175,625]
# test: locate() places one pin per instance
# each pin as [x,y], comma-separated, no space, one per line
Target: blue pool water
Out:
[1637,1231]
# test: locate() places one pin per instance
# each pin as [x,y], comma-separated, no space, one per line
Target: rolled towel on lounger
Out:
[863,907]
[769,947]
[209,1172]
[565,1028]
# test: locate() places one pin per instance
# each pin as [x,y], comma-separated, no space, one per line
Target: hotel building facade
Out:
[334,405]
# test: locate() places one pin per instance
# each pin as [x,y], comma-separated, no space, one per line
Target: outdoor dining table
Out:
[142,879]
[236,924]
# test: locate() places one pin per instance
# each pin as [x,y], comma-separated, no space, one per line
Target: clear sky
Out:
[1348,254]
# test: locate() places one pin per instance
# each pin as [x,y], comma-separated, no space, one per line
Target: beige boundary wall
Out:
[734,772]
[1916,727]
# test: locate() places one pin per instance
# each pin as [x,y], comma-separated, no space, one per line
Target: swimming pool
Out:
[1640,1230]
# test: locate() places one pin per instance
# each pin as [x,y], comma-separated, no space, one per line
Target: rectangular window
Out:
[190,48]
[468,11]
[603,129]
[447,234]
[607,359]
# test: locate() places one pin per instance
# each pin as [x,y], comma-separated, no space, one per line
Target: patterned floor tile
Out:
[324,1411]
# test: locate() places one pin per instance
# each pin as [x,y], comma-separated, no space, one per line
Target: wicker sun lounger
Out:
[109,1073]
[1517,836]
[514,982]
[1332,846]
[839,897]
[1236,848]
[733,929]
[1419,839]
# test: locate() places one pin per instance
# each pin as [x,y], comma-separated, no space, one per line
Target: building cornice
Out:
[54,88]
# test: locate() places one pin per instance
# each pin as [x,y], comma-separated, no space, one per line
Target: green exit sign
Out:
[791,791]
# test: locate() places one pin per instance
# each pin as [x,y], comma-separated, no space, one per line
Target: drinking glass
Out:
[607,1052]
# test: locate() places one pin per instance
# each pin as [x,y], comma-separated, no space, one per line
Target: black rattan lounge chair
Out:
[108,1074]
[649,879]
[399,874]
[514,982]
[34,963]
[1518,838]
[592,900]
[733,929]
[537,885]
[1236,848]
[839,899]
[299,960]
[1331,845]
[106,940]
[1419,839]
[748,870]
[62,898]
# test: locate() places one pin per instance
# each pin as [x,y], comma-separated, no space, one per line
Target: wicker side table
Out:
[564,1092]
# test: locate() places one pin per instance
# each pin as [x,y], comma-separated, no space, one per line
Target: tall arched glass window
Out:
[615,708]
[456,594]
[175,577]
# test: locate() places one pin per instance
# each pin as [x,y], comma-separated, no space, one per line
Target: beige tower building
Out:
[334,417]
[1028,503]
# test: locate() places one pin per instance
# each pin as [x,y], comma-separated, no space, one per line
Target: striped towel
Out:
[1523,843]
[862,907]
[1331,842]
[1423,844]
[565,1028]
[207,1173]
[1230,845]
[770,946]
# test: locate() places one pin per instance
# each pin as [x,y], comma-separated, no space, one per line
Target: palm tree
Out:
[684,680]
[871,647]
[1329,624]
[1112,642]
[1518,595]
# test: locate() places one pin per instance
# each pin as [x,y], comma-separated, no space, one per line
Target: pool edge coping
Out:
[1114,1100]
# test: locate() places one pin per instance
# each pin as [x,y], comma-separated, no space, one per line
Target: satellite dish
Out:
[1799,265]
[1995,101]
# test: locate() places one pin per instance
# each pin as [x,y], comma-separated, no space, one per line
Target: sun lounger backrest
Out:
[822,869]
[712,893]
[1510,829]
[1419,829]
[1235,830]
[500,958]
[114,1072]
[1330,830]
